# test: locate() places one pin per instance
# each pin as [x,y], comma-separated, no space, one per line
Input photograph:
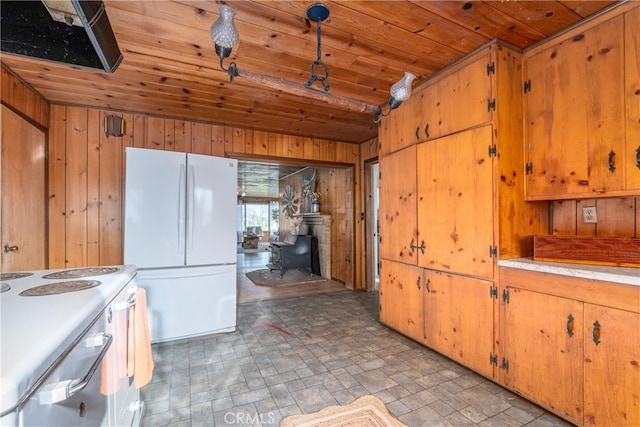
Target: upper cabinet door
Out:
[461,99]
[455,203]
[397,212]
[632,97]
[575,115]
[404,126]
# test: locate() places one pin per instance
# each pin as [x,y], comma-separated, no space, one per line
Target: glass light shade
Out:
[401,90]
[223,32]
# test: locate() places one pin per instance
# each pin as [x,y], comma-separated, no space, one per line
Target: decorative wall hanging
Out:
[289,202]
[308,187]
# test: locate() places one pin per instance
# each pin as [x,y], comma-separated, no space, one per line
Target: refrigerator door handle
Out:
[191,183]
[181,209]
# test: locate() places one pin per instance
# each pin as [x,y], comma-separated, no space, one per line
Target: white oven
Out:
[64,348]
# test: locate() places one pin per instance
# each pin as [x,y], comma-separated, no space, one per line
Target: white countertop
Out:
[623,275]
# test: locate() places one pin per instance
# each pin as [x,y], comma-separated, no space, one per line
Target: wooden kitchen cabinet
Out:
[578,142]
[571,345]
[611,366]
[632,98]
[458,319]
[401,299]
[404,126]
[460,99]
[542,350]
[455,203]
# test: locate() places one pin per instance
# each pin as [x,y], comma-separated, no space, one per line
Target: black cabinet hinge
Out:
[379,176]
[505,296]
[492,150]
[493,292]
[491,68]
[505,364]
[491,104]
[528,168]
[527,86]
[493,359]
[493,251]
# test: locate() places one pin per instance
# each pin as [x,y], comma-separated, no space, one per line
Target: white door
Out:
[155,222]
[211,210]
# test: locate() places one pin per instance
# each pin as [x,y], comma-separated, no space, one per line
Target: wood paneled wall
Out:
[24,99]
[86,177]
[617,217]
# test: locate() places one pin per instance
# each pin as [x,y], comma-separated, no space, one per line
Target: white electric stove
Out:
[61,339]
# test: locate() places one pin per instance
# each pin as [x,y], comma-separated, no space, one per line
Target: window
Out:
[254,214]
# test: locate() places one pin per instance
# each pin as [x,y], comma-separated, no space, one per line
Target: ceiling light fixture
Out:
[225,37]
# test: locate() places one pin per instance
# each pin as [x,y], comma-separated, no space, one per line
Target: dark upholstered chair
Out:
[291,254]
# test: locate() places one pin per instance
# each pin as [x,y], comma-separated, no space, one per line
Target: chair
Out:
[253,231]
[293,252]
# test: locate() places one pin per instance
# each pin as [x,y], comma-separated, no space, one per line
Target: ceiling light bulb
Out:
[223,32]
[401,90]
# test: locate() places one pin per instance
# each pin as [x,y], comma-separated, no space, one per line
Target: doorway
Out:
[372,224]
[23,235]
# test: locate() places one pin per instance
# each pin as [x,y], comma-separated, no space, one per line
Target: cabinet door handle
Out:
[595,333]
[426,131]
[612,167]
[426,286]
[421,247]
[418,282]
[638,157]
[570,325]
[13,248]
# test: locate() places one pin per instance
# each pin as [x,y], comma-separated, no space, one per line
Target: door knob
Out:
[13,248]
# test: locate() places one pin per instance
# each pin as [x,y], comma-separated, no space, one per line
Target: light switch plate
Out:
[589,215]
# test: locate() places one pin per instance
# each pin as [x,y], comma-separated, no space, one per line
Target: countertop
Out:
[622,275]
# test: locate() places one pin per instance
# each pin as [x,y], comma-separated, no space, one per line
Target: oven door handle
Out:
[65,389]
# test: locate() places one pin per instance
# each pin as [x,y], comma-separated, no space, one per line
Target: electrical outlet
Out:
[589,215]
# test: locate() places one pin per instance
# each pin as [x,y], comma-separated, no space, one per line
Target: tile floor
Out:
[298,355]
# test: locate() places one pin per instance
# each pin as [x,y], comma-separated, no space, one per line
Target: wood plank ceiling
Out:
[170,68]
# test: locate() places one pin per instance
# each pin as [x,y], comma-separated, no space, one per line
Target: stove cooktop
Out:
[60,288]
[77,273]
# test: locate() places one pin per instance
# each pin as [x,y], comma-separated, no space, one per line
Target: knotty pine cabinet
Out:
[571,345]
[451,205]
[578,89]
[447,103]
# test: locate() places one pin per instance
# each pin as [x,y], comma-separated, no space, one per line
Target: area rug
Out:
[291,277]
[367,411]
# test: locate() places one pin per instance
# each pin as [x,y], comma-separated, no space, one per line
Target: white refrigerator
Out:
[180,231]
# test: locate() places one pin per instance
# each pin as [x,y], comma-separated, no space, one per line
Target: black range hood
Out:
[28,29]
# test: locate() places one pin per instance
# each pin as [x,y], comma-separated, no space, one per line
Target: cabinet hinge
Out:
[493,292]
[491,68]
[493,251]
[379,176]
[491,104]
[493,359]
[505,364]
[492,150]
[529,168]
[527,86]
[505,296]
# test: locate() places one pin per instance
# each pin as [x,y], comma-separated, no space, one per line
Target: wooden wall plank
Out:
[94,130]
[564,218]
[295,147]
[5,88]
[260,143]
[182,136]
[76,187]
[139,131]
[22,98]
[17,93]
[616,217]
[169,135]
[217,141]
[57,187]
[201,138]
[155,133]
[111,185]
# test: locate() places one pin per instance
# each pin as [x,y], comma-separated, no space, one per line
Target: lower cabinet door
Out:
[612,367]
[543,347]
[401,306]
[458,318]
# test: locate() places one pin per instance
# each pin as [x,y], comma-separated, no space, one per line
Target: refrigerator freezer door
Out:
[211,210]
[188,302]
[155,208]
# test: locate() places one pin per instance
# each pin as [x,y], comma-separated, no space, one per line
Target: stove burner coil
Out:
[60,288]
[16,275]
[81,272]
